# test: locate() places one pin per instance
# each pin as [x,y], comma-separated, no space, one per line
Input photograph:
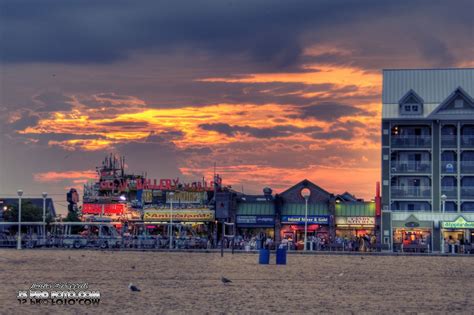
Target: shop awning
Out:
[412,222]
[298,209]
[355,209]
[255,208]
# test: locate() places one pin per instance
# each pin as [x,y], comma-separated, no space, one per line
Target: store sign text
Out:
[256,220]
[196,215]
[162,184]
[459,223]
[108,209]
[300,219]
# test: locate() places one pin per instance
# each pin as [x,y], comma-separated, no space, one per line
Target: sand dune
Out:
[191,282]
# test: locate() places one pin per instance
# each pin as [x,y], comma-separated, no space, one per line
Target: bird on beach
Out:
[133,288]
[225,280]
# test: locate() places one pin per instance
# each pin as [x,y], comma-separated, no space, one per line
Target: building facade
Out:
[427,157]
[281,217]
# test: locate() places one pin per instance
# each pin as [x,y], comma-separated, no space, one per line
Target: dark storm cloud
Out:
[271,132]
[53,102]
[125,124]
[331,111]
[271,33]
[26,120]
[343,134]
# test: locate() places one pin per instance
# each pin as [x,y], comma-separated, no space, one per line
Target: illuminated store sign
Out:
[299,219]
[459,223]
[188,215]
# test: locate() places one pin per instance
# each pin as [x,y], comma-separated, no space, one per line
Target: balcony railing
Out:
[450,191]
[449,141]
[467,140]
[467,192]
[467,167]
[448,167]
[411,141]
[411,192]
[411,167]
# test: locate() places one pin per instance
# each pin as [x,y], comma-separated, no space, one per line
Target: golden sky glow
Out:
[127,118]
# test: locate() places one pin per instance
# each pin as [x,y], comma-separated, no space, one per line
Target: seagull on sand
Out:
[133,288]
[225,280]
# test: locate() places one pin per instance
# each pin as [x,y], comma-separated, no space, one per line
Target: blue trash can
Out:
[281,256]
[264,256]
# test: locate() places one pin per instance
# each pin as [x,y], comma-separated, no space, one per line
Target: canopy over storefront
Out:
[412,222]
[355,209]
[255,214]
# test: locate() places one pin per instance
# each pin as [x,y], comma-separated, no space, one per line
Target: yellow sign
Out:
[179,215]
[186,197]
[355,220]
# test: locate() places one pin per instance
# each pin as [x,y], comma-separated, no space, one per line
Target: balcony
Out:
[402,141]
[467,192]
[448,167]
[450,191]
[409,192]
[467,141]
[467,167]
[449,141]
[411,167]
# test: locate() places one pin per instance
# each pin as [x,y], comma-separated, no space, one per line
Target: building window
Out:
[414,108]
[407,108]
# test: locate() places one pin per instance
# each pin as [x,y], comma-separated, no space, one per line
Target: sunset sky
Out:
[271,91]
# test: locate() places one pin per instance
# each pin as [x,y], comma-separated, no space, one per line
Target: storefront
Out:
[355,219]
[194,221]
[255,222]
[457,235]
[293,230]
[412,235]
[350,227]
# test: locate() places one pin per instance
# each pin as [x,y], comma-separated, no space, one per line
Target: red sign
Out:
[162,184]
[96,208]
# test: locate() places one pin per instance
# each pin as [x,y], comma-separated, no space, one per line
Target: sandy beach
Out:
[190,282]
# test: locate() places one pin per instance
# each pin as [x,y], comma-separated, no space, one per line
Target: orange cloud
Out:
[74,176]
[339,144]
[341,76]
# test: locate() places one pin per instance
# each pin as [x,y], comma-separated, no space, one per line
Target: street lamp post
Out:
[44,194]
[18,244]
[305,192]
[171,219]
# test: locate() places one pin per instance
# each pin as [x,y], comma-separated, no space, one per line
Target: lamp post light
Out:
[305,192]
[44,194]
[18,244]
[443,202]
[171,194]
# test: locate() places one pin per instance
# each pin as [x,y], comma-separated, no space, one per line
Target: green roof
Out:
[319,208]
[255,208]
[355,209]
